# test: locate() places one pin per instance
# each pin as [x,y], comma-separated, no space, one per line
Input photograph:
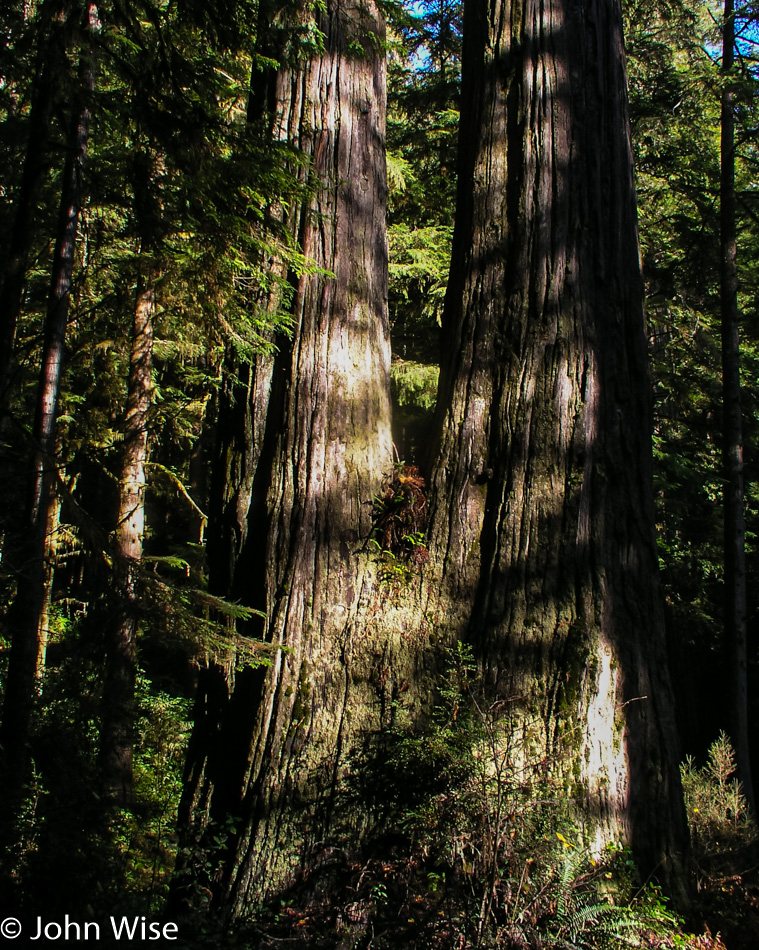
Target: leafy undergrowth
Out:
[567,903]
[730,904]
[482,853]
[725,847]
[487,857]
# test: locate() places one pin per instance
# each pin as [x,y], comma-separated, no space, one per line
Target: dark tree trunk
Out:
[542,494]
[31,592]
[49,71]
[117,730]
[241,427]
[315,442]
[735,522]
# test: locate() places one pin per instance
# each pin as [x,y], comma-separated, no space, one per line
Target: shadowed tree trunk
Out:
[33,580]
[735,520]
[50,69]
[542,497]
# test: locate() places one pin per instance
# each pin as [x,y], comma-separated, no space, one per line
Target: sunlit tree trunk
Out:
[52,531]
[542,491]
[32,591]
[117,730]
[735,521]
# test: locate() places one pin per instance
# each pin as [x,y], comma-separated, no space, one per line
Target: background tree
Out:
[50,30]
[34,588]
[176,79]
[675,93]
[732,423]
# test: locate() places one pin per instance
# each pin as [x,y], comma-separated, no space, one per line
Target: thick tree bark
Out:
[542,496]
[31,591]
[117,730]
[541,541]
[735,521]
[241,427]
[269,749]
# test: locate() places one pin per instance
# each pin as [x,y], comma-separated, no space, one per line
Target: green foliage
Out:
[675,87]
[145,835]
[70,852]
[414,384]
[186,621]
[717,810]
[423,93]
[419,259]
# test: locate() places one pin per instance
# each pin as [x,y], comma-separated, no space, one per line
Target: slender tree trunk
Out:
[269,749]
[542,494]
[735,522]
[30,597]
[50,66]
[117,730]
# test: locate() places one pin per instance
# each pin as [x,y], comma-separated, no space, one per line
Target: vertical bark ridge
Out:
[310,511]
[117,729]
[542,496]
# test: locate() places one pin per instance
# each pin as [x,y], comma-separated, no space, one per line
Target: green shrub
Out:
[494,856]
[718,813]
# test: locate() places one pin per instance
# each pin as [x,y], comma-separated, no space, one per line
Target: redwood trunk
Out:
[542,491]
[117,731]
[542,538]
[270,748]
[735,521]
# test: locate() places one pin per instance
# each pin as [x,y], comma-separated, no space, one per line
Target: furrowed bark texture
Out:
[270,749]
[542,494]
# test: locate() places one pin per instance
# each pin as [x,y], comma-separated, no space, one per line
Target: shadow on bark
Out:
[541,541]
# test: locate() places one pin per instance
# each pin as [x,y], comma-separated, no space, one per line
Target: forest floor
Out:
[728,902]
[393,905]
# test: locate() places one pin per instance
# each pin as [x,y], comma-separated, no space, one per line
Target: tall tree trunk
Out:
[735,523]
[49,68]
[542,494]
[269,748]
[117,730]
[30,597]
